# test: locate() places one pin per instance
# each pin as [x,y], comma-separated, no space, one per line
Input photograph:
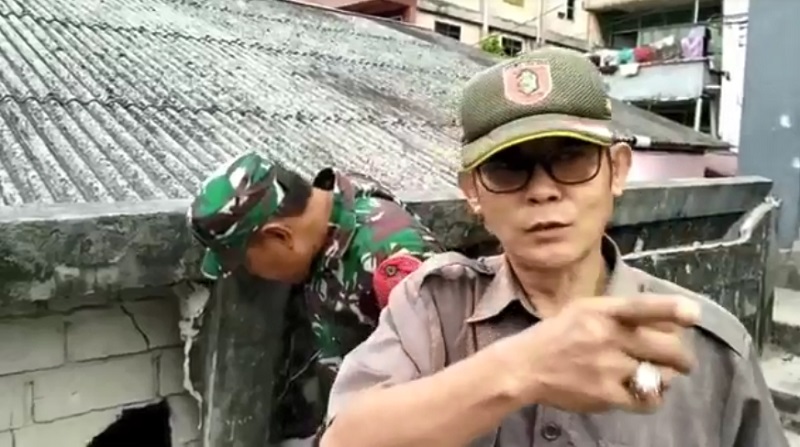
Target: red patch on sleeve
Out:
[389,273]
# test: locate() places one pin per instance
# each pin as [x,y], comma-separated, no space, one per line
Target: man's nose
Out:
[542,188]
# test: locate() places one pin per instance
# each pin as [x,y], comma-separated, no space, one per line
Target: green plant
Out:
[491,44]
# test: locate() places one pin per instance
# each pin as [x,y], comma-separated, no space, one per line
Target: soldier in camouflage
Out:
[344,239]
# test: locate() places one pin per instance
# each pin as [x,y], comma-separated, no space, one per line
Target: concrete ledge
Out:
[782,373]
[647,202]
[786,320]
[78,249]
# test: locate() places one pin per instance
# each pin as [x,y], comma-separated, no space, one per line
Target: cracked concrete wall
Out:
[78,250]
[69,367]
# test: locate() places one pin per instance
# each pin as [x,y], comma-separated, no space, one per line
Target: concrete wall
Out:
[69,367]
[584,27]
[470,32]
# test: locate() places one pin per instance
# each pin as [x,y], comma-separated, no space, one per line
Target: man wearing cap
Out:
[346,239]
[557,342]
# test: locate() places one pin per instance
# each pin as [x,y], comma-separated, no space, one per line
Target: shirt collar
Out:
[342,222]
[505,289]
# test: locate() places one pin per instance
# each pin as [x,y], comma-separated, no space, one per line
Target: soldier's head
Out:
[258,215]
[539,159]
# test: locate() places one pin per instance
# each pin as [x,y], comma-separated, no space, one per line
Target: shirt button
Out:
[551,432]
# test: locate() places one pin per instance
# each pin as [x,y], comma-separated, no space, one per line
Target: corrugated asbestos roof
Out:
[128,100]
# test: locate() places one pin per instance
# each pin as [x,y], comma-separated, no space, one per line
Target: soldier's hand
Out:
[583,359]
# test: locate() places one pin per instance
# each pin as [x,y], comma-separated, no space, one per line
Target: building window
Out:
[447,29]
[627,39]
[511,46]
[569,11]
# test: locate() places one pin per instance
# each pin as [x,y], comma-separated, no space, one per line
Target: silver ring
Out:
[646,381]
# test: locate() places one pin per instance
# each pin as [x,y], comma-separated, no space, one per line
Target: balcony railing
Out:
[653,83]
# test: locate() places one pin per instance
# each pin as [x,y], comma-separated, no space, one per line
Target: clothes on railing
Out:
[693,46]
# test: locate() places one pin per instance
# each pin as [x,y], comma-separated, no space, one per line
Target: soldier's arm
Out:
[387,396]
[750,417]
[400,255]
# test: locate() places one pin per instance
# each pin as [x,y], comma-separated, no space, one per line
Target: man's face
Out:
[276,254]
[548,201]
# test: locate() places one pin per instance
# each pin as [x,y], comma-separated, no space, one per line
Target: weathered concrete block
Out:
[170,372]
[100,333]
[782,373]
[31,343]
[76,431]
[157,319]
[6,439]
[68,304]
[14,402]
[29,309]
[786,315]
[184,419]
[77,389]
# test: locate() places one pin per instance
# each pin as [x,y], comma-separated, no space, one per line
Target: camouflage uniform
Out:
[368,227]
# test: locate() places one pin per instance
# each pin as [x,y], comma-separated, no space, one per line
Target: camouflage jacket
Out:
[368,225]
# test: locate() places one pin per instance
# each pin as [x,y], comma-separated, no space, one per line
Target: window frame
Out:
[503,40]
[446,29]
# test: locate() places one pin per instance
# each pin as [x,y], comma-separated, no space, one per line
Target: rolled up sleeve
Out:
[750,416]
[398,351]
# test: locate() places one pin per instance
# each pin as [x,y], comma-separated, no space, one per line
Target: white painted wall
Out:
[650,166]
[734,44]
[516,20]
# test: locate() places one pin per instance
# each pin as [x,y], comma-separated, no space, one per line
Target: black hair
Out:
[298,192]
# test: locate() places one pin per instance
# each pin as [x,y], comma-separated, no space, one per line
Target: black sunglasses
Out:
[512,169]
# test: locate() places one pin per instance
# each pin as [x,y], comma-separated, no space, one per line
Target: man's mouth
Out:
[546,226]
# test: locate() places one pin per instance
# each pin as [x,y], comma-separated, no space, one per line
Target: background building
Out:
[709,94]
[562,22]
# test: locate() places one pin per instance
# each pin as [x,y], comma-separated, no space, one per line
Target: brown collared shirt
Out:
[454,306]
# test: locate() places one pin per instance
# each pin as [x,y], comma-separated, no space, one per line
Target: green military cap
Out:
[549,92]
[233,202]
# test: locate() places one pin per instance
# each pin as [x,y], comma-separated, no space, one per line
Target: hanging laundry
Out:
[693,45]
[608,69]
[608,57]
[628,70]
[644,54]
[667,48]
[625,56]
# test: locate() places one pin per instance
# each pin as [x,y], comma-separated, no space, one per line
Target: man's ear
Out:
[278,232]
[466,182]
[621,157]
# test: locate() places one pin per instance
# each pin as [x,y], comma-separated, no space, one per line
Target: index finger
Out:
[650,309]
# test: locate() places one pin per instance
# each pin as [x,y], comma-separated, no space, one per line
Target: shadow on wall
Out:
[138,427]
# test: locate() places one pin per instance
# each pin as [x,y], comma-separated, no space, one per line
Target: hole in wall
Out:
[138,427]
